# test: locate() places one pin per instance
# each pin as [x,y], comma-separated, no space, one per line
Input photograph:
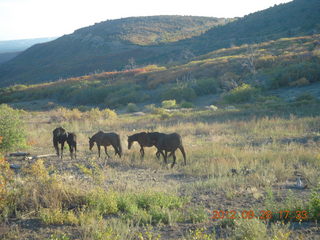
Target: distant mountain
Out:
[21,44]
[108,46]
[104,46]
[11,48]
[4,57]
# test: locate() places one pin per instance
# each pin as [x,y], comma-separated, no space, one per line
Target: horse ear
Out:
[89,138]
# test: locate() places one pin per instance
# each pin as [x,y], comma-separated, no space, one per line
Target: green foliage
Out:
[250,229]
[57,216]
[131,107]
[200,234]
[185,104]
[151,207]
[306,98]
[197,214]
[12,131]
[104,202]
[314,206]
[294,74]
[169,103]
[241,94]
[206,86]
[179,94]
[58,237]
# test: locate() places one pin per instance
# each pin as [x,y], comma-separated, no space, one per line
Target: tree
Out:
[11,129]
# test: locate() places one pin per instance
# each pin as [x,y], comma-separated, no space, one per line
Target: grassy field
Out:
[245,160]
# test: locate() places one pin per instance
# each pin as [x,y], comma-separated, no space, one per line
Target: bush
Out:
[131,107]
[306,97]
[252,229]
[206,86]
[169,103]
[179,94]
[185,104]
[241,94]
[12,130]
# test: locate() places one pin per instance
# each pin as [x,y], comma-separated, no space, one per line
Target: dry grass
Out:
[269,148]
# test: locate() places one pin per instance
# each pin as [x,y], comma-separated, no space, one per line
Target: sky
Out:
[23,19]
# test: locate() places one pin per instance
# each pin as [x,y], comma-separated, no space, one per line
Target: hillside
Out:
[109,45]
[287,62]
[104,46]
[296,18]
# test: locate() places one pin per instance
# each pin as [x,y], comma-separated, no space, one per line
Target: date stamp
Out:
[262,215]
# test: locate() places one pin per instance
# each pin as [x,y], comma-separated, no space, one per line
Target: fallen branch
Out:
[39,156]
[19,154]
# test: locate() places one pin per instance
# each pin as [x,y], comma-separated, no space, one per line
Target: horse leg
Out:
[141,151]
[105,149]
[98,150]
[165,157]
[75,150]
[174,158]
[183,154]
[56,147]
[116,150]
[71,150]
[62,146]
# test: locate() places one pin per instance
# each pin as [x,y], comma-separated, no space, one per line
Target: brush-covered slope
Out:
[296,18]
[287,62]
[104,46]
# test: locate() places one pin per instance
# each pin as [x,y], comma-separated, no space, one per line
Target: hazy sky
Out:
[21,19]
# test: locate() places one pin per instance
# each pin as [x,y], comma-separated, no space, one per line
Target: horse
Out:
[106,139]
[72,142]
[143,139]
[168,143]
[60,135]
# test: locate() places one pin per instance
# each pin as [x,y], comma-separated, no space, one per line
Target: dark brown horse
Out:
[168,143]
[72,142]
[106,139]
[60,136]
[143,139]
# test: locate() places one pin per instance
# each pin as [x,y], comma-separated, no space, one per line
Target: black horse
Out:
[60,135]
[168,143]
[143,139]
[72,142]
[106,139]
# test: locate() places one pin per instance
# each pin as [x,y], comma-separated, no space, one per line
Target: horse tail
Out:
[119,146]
[184,154]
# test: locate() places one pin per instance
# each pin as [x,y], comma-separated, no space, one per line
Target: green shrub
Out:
[206,86]
[132,107]
[169,103]
[104,202]
[241,94]
[306,97]
[12,130]
[250,229]
[179,94]
[314,205]
[185,104]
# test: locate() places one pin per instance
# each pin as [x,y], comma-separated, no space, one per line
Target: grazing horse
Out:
[143,139]
[168,143]
[72,142]
[60,135]
[106,139]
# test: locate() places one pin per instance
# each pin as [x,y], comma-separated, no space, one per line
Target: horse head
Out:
[130,141]
[91,143]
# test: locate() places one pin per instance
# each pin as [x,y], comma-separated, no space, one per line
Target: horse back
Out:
[72,138]
[170,142]
[59,134]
